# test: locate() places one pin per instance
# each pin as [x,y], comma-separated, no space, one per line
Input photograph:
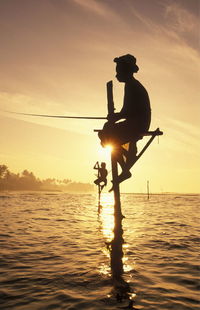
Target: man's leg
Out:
[97,181]
[107,134]
[118,154]
[131,155]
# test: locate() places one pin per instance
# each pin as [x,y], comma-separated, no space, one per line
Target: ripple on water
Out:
[55,252]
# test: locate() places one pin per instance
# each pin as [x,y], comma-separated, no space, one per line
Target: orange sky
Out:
[56,57]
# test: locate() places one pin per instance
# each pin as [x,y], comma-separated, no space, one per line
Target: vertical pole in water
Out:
[99,190]
[148,190]
[99,195]
[121,287]
[116,189]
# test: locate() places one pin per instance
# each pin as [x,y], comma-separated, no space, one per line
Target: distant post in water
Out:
[148,190]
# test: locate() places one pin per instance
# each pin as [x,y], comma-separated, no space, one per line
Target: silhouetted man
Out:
[102,175]
[135,113]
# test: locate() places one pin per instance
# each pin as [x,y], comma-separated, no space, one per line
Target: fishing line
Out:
[57,116]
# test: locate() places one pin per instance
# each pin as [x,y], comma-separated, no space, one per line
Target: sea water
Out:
[56,253]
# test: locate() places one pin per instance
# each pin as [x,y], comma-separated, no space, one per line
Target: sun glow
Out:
[109,148]
[104,153]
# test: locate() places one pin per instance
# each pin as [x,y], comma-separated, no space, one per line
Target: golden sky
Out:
[56,57]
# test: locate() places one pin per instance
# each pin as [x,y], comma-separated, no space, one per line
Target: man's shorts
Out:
[121,132]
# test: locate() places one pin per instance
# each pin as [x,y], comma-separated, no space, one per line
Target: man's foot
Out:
[124,176]
[111,189]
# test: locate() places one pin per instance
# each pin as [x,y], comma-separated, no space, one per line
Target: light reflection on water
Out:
[106,216]
[106,221]
[115,248]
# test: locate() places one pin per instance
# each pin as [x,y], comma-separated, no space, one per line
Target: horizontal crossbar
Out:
[156,132]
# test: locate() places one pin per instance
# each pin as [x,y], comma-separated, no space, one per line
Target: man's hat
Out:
[128,60]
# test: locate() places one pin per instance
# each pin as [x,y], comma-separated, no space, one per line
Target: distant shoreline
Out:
[27,181]
[92,192]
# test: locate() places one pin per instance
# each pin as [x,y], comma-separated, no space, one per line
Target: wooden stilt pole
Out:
[99,191]
[99,195]
[116,188]
[114,165]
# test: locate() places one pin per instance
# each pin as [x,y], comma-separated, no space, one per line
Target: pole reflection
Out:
[111,227]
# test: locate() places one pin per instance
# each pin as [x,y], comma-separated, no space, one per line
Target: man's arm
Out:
[115,117]
[96,166]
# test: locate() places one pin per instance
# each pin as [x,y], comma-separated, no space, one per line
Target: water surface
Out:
[57,252]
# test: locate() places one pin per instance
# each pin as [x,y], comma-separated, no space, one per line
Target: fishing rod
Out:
[58,116]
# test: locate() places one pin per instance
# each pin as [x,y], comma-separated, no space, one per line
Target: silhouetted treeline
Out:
[28,181]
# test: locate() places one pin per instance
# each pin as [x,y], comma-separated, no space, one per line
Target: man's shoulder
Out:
[136,85]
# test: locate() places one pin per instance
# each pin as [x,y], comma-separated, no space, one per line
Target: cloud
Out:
[182,24]
[181,19]
[168,21]
[95,7]
[181,136]
[20,103]
[191,130]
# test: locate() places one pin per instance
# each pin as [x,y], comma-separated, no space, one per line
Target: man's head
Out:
[125,67]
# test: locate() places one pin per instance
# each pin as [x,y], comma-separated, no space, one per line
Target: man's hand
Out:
[113,117]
